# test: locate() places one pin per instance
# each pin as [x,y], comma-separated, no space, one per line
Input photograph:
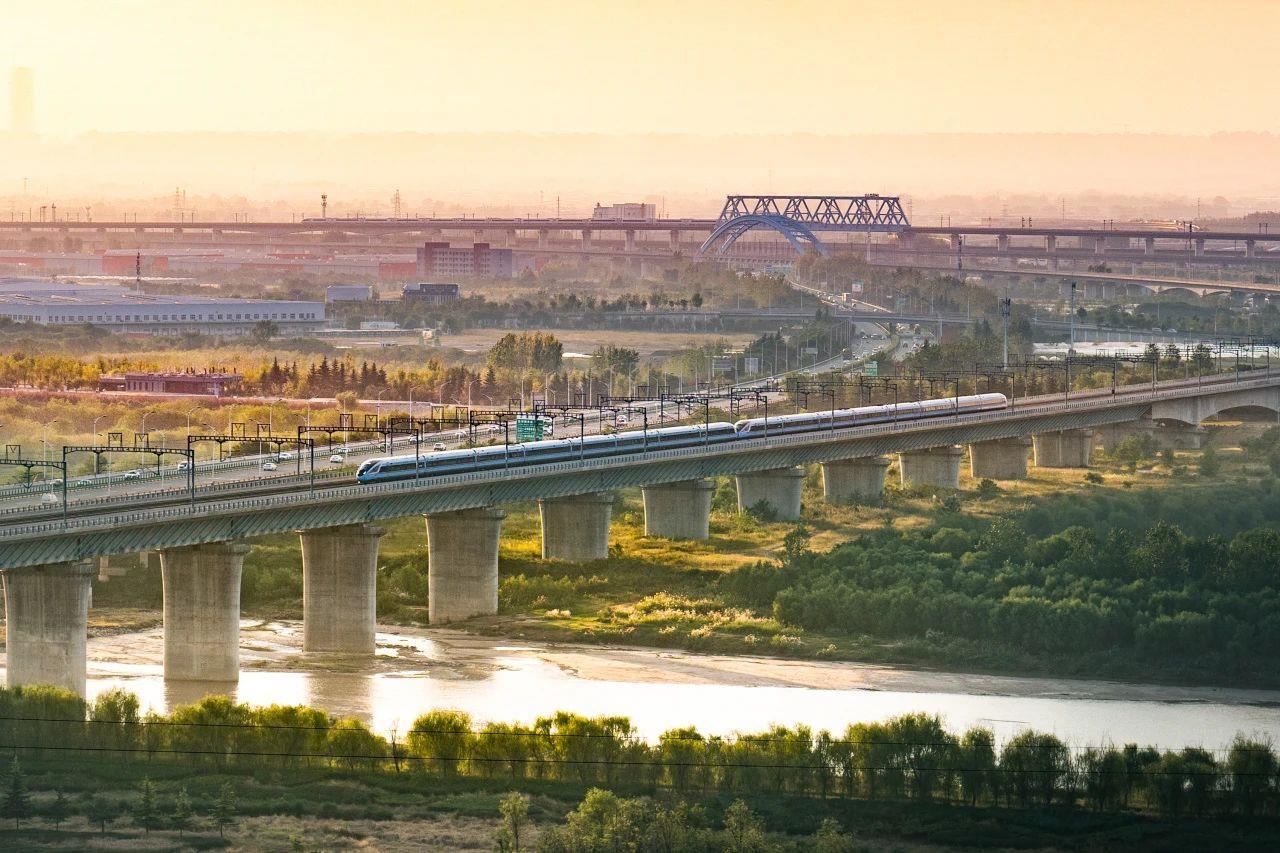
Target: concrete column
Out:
[1002,459]
[576,528]
[1179,436]
[678,510]
[849,479]
[674,236]
[462,563]
[1069,448]
[586,239]
[1002,244]
[933,466]
[780,488]
[46,616]
[1199,246]
[1250,248]
[630,244]
[1149,245]
[202,611]
[544,238]
[1108,436]
[339,588]
[1051,243]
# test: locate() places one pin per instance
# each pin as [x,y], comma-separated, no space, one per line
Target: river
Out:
[511,680]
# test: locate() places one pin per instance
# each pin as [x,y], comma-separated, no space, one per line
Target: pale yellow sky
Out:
[624,67]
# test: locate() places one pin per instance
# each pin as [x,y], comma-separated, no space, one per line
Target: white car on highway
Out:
[337,459]
[269,466]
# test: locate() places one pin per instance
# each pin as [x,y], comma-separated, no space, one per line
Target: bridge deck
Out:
[121,527]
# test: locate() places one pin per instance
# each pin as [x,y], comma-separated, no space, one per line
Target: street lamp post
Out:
[97,457]
[45,438]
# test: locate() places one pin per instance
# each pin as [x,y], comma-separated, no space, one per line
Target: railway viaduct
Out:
[46,558]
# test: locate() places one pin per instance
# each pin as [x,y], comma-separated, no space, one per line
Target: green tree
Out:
[1251,767]
[743,831]
[1254,558]
[514,809]
[101,811]
[17,800]
[182,812]
[145,812]
[224,809]
[831,839]
[58,809]
[440,740]
[1209,464]
[263,331]
[976,760]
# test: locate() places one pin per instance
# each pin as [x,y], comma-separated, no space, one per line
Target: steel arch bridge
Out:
[797,217]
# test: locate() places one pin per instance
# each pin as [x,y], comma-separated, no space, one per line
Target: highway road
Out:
[293,472]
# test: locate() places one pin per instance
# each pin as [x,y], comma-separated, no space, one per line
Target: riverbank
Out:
[516,678]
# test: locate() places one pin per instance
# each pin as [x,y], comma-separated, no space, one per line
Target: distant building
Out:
[479,261]
[378,326]
[53,302]
[213,384]
[430,293]
[629,212]
[348,293]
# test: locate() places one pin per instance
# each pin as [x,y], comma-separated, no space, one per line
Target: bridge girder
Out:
[797,217]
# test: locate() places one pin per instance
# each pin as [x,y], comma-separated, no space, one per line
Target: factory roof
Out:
[59,292]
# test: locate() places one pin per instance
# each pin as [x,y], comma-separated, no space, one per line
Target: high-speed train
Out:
[668,438]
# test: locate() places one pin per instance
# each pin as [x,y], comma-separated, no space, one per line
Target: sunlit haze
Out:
[713,67]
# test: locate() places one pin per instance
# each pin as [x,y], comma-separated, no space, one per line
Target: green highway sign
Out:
[529,429]
[871,368]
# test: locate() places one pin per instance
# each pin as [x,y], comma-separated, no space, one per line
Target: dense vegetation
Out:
[1185,581]
[910,757]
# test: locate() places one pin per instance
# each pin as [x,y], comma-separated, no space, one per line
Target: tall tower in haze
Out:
[22,101]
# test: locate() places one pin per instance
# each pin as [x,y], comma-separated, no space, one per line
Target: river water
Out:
[512,680]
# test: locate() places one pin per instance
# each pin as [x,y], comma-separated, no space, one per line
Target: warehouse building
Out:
[213,384]
[348,293]
[53,302]
[430,293]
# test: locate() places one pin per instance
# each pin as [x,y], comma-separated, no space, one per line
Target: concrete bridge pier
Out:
[1002,459]
[1069,448]
[932,466]
[46,617]
[339,588]
[202,611]
[779,488]
[1179,436]
[849,479]
[678,510]
[1109,435]
[576,528]
[462,563]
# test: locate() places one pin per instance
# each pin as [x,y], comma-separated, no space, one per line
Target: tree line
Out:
[910,757]
[1090,584]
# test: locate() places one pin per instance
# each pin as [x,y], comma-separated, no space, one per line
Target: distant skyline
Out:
[752,66]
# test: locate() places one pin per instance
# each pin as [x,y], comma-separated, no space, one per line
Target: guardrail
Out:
[450,481]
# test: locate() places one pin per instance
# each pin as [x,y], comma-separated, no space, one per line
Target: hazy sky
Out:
[684,66]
